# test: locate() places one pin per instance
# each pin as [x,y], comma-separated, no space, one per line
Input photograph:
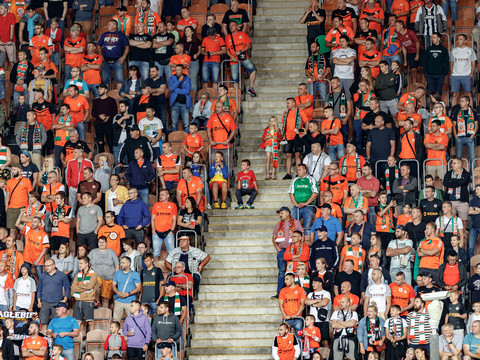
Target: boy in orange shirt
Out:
[331,129]
[193,142]
[311,335]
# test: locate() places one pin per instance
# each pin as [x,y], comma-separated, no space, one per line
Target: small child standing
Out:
[301,277]
[456,314]
[399,78]
[246,185]
[312,337]
[115,343]
[474,316]
[396,334]
[193,142]
[57,353]
[147,311]
[218,174]
[331,129]
[271,144]
[474,285]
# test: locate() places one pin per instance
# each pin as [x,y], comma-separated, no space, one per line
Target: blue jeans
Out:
[193,75]
[391,59]
[82,131]
[58,159]
[164,70]
[153,308]
[38,268]
[93,90]
[55,58]
[282,267]
[357,133]
[68,354]
[435,83]
[175,111]
[157,243]
[2,89]
[16,94]
[210,70]
[117,69]
[305,213]
[467,141]
[320,87]
[296,323]
[336,151]
[472,241]
[143,193]
[453,9]
[144,67]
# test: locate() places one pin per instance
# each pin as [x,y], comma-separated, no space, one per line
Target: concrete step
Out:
[264,104]
[252,212]
[269,204]
[266,356]
[264,23]
[269,261]
[239,342]
[266,294]
[239,242]
[246,219]
[275,96]
[226,352]
[281,46]
[270,30]
[259,303]
[238,256]
[252,226]
[234,318]
[280,19]
[247,235]
[279,81]
[234,273]
[286,40]
[299,11]
[240,281]
[240,328]
[252,288]
[274,4]
[225,250]
[266,57]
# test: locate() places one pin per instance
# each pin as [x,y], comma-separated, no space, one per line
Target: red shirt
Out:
[5,23]
[408,41]
[246,179]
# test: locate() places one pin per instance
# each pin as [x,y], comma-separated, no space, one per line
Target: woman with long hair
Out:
[192,47]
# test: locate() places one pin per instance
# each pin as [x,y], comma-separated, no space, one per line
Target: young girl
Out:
[48,165]
[64,260]
[271,144]
[218,174]
[24,290]
[302,278]
[197,161]
[461,252]
[82,251]
[406,217]
[376,248]
[324,274]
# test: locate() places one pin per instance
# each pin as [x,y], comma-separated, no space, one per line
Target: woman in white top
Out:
[64,260]
[129,247]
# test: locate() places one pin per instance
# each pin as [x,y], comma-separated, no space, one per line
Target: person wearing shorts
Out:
[83,290]
[462,65]
[238,43]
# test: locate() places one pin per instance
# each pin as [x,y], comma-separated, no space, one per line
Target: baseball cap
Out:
[40,90]
[401,227]
[122,8]
[26,153]
[322,228]
[134,127]
[62,304]
[326,206]
[283,208]
[169,283]
[164,345]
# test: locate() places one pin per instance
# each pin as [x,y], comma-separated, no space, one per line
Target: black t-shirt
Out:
[55,8]
[29,170]
[205,28]
[424,290]
[308,140]
[366,34]
[70,145]
[380,140]
[354,278]
[416,233]
[136,53]
[240,17]
[458,308]
[191,47]
[164,53]
[346,14]
[431,210]
[314,27]
[155,84]
[189,217]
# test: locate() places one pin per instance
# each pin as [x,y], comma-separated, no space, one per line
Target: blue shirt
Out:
[113,44]
[332,224]
[51,287]
[120,278]
[475,202]
[66,324]
[473,342]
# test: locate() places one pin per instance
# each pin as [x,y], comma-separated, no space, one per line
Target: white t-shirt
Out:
[3,295]
[320,295]
[24,289]
[113,195]
[462,61]
[151,128]
[449,223]
[378,294]
[399,244]
[344,71]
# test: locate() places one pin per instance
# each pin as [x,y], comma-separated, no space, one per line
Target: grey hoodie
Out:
[166,327]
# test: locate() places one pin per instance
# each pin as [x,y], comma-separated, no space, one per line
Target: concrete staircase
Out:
[235,316]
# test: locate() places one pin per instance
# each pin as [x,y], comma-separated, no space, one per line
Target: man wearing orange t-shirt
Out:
[213,46]
[35,346]
[36,244]
[293,122]
[168,166]
[221,129]
[149,17]
[91,65]
[190,185]
[304,101]
[74,47]
[332,39]
[430,250]
[16,199]
[401,8]
[112,232]
[331,129]
[180,58]
[351,164]
[436,144]
[79,110]
[185,21]
[292,302]
[402,294]
[374,14]
[12,257]
[371,57]
[229,104]
[410,146]
[164,220]
[40,40]
[336,183]
[345,291]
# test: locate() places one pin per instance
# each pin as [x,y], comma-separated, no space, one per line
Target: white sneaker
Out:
[209,206]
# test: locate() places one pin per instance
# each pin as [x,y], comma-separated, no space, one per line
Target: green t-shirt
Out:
[303,188]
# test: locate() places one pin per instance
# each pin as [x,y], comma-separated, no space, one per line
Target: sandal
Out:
[274,177]
[267,177]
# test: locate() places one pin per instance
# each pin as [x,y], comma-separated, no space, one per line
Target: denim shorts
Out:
[458,82]
[247,65]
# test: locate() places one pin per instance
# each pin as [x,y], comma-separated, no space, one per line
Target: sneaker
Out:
[240,207]
[274,296]
[209,206]
[252,92]
[287,177]
[224,206]
[249,206]
[96,304]
[216,205]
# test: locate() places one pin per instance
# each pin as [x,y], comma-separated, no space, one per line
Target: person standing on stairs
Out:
[281,239]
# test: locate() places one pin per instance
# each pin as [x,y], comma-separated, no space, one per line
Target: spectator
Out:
[324,248]
[386,137]
[90,185]
[450,344]
[64,260]
[229,104]
[7,36]
[404,188]
[104,262]
[452,275]
[37,41]
[371,331]
[344,58]
[331,129]
[104,110]
[121,125]
[431,250]
[89,221]
[446,125]
[152,278]
[292,302]
[240,16]
[221,130]
[147,16]
[115,51]
[32,137]
[59,221]
[369,187]
[436,64]
[285,342]
[336,183]
[63,325]
[163,50]
[180,100]
[317,162]
[246,185]
[399,250]
[29,18]
[79,109]
[193,48]
[152,128]
[474,211]
[12,258]
[140,174]
[360,226]
[83,290]
[20,76]
[471,342]
[70,145]
[379,293]
[168,166]
[34,345]
[180,58]
[137,329]
[436,143]
[429,20]
[166,327]
[430,206]
[126,284]
[344,322]
[193,258]
[124,21]
[190,218]
[134,141]
[462,67]
[76,80]
[213,46]
[353,203]
[192,186]
[18,199]
[333,225]
[134,216]
[449,225]
[418,322]
[238,43]
[29,169]
[314,17]
[164,220]
[131,89]
[456,182]
[158,86]
[350,276]
[211,22]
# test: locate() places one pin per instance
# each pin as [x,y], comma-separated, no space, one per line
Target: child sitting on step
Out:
[246,185]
